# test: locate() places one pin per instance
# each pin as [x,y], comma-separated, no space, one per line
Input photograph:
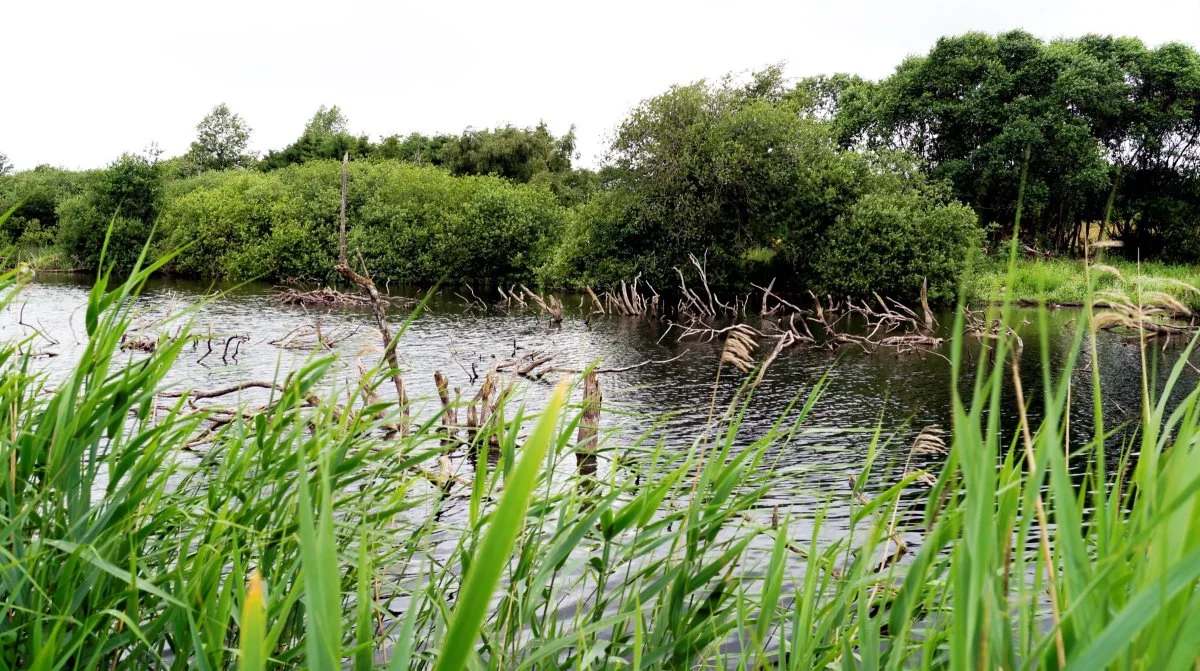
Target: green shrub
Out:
[891,243]
[82,230]
[421,225]
[597,248]
[409,224]
[224,225]
[126,196]
[37,194]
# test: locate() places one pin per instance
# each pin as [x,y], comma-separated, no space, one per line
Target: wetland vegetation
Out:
[646,476]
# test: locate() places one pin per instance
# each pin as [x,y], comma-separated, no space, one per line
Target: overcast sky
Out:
[86,80]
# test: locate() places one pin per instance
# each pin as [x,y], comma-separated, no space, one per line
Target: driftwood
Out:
[527,365]
[325,297]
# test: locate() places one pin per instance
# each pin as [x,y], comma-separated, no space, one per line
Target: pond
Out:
[897,393]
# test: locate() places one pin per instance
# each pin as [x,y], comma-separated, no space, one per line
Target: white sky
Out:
[85,80]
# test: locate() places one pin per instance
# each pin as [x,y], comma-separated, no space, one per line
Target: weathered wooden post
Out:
[589,425]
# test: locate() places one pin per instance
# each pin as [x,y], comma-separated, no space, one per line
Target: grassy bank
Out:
[1063,282]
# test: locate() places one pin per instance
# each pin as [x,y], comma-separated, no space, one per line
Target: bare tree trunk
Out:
[925,306]
[449,412]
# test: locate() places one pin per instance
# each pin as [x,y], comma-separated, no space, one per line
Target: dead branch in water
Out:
[326,297]
[223,391]
[239,339]
[512,296]
[596,301]
[880,323]
[377,305]
[765,310]
[975,324]
[142,343]
[628,300]
[554,308]
[310,336]
[622,369]
[449,412]
[41,332]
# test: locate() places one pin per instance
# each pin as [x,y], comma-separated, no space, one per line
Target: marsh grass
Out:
[1065,282]
[304,536]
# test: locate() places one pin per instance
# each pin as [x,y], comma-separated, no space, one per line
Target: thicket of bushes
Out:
[735,174]
[834,183]
[408,224]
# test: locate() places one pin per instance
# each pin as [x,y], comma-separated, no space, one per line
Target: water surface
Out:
[897,394]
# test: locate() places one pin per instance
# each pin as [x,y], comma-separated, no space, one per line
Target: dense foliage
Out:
[892,243]
[739,174]
[112,218]
[1097,114]
[409,224]
[36,195]
[833,183]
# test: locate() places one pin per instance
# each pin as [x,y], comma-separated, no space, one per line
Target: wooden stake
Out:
[589,425]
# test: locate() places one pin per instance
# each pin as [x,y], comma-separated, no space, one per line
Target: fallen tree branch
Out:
[622,369]
[223,391]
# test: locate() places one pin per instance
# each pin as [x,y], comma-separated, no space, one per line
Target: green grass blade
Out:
[493,553]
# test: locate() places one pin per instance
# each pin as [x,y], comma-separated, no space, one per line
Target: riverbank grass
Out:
[1061,282]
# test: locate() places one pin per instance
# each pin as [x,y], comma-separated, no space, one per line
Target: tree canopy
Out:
[1096,113]
[222,138]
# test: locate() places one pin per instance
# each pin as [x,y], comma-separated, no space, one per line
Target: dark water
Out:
[899,393]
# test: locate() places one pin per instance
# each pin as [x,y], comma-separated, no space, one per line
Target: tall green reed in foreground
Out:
[306,536]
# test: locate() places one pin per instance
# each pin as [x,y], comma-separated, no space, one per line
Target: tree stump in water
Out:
[589,425]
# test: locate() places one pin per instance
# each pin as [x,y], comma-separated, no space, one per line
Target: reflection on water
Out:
[897,393]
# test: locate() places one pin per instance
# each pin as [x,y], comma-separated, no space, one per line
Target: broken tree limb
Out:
[622,369]
[554,308]
[223,391]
